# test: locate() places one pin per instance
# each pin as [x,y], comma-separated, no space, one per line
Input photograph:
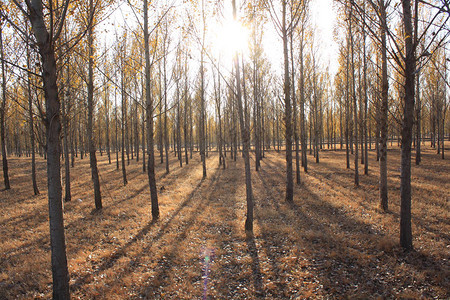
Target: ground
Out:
[333,242]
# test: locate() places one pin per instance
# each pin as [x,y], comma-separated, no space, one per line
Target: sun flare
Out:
[230,37]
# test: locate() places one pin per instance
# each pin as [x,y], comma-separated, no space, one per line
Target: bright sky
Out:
[323,15]
[223,36]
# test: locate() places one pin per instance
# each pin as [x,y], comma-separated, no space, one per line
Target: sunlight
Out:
[229,37]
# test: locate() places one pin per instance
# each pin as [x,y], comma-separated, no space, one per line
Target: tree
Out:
[355,106]
[2,116]
[45,40]
[149,115]
[408,118]
[245,136]
[90,98]
[284,24]
[123,104]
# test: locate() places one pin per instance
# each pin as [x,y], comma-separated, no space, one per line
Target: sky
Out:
[322,16]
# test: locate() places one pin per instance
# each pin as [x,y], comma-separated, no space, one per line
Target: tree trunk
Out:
[355,104]
[418,119]
[32,142]
[149,111]
[116,142]
[294,104]
[186,111]
[408,119]
[287,111]
[383,111]
[245,135]
[68,195]
[202,99]
[347,110]
[53,129]
[166,134]
[143,138]
[90,129]
[124,116]
[2,119]
[108,142]
[366,155]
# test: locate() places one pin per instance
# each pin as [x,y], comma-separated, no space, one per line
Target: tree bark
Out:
[2,119]
[245,135]
[32,141]
[408,119]
[355,103]
[418,119]
[383,111]
[287,111]
[302,105]
[90,129]
[124,116]
[149,111]
[53,140]
[68,195]
[294,104]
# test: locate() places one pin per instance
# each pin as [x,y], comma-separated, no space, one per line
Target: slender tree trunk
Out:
[149,111]
[294,104]
[107,121]
[347,109]
[302,104]
[2,119]
[418,119]
[124,116]
[143,138]
[116,140]
[366,155]
[68,195]
[287,111]
[245,135]
[166,129]
[31,124]
[72,150]
[180,157]
[202,99]
[90,129]
[355,104]
[383,111]
[53,129]
[186,93]
[408,119]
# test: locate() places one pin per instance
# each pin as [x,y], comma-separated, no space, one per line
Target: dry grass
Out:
[334,242]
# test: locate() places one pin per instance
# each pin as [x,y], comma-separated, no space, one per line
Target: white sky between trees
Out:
[322,17]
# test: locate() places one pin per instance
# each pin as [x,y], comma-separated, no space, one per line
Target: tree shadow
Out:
[122,251]
[345,254]
[169,259]
[256,267]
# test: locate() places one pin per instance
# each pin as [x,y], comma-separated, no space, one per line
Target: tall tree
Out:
[45,40]
[355,106]
[31,124]
[245,136]
[2,116]
[149,113]
[90,128]
[408,119]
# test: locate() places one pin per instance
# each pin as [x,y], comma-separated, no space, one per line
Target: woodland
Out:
[224,149]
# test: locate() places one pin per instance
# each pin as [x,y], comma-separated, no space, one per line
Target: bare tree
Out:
[2,116]
[149,113]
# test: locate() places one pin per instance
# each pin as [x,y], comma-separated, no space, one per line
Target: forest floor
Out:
[333,242]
